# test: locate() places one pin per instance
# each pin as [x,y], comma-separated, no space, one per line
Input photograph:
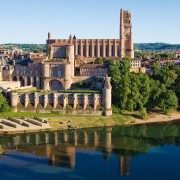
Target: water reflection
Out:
[61,147]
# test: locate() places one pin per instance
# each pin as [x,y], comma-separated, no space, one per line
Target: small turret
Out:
[107,97]
[107,84]
[49,35]
[70,39]
[74,37]
[70,36]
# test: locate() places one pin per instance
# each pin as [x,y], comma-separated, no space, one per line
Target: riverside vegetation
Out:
[137,91]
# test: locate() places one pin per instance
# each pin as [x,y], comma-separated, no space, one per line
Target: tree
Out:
[165,74]
[138,91]
[168,101]
[176,87]
[4,107]
[157,89]
[120,77]
[131,91]
[99,60]
[145,89]
[36,50]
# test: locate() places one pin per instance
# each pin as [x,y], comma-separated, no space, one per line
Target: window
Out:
[59,73]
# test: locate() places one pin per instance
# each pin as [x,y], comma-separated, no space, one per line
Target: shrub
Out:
[4,107]
[115,109]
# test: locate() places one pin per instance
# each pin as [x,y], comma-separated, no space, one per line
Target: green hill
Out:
[157,47]
[138,46]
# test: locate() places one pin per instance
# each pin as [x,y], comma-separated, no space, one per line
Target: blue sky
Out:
[28,21]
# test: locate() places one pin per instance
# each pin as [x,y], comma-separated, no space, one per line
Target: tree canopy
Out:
[138,91]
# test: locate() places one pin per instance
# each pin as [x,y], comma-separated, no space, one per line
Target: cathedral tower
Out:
[126,39]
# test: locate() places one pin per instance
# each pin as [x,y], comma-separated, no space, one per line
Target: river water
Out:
[142,152]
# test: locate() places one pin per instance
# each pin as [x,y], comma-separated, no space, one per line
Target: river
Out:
[142,152]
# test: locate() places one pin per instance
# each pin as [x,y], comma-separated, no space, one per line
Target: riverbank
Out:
[63,122]
[159,118]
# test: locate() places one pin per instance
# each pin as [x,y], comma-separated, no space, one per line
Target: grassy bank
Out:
[58,121]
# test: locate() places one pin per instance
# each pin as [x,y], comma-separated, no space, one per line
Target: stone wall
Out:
[76,103]
[9,85]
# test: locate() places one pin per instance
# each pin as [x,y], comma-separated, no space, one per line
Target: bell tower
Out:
[126,39]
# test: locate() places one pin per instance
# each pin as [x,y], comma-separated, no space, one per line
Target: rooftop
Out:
[92,66]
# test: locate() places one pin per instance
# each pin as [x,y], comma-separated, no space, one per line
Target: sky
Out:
[28,21]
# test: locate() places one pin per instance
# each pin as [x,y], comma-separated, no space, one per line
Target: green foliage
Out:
[166,74]
[120,74]
[138,91]
[176,86]
[143,47]
[168,101]
[36,48]
[130,91]
[157,47]
[81,85]
[148,54]
[115,109]
[4,107]
[101,60]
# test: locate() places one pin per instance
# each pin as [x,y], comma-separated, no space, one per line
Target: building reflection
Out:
[125,165]
[62,156]
[60,147]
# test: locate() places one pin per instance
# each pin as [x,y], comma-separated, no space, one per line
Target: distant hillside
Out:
[157,47]
[26,47]
[138,46]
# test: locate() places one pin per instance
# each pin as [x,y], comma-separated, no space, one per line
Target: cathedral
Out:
[67,68]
